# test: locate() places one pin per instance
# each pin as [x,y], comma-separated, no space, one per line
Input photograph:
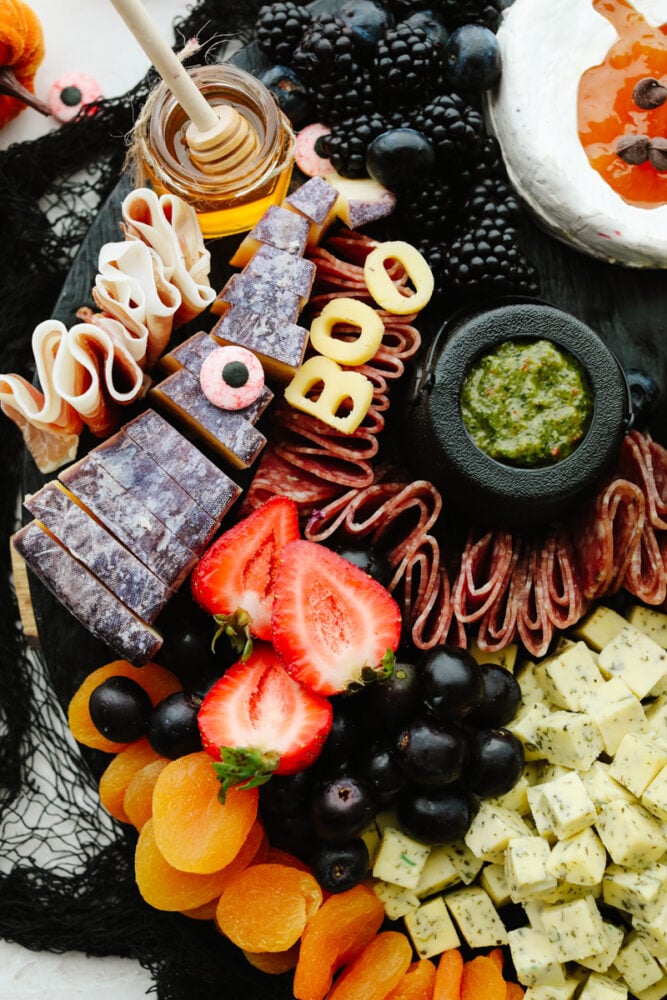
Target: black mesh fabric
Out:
[66,868]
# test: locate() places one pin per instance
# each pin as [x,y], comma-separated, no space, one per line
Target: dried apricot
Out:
[376,971]
[274,962]
[513,991]
[204,912]
[193,829]
[417,983]
[481,978]
[341,928]
[156,681]
[138,798]
[448,976]
[497,956]
[266,907]
[119,773]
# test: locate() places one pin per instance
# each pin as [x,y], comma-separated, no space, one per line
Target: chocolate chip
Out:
[657,153]
[633,149]
[235,374]
[649,93]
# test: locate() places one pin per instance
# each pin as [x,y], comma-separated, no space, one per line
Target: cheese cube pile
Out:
[584,828]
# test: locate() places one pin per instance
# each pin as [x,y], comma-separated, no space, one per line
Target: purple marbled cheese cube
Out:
[280,347]
[315,199]
[130,521]
[95,607]
[191,354]
[282,270]
[259,296]
[277,228]
[89,542]
[148,482]
[183,461]
[230,432]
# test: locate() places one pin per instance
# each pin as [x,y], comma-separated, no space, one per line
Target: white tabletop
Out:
[88,38]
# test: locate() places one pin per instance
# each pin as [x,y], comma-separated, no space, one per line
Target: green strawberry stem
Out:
[376,675]
[244,767]
[237,628]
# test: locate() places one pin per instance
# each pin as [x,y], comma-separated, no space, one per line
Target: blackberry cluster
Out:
[406,66]
[279,29]
[430,211]
[486,259]
[347,143]
[325,53]
[334,103]
[455,128]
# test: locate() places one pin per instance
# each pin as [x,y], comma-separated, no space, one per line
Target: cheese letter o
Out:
[383,289]
[354,313]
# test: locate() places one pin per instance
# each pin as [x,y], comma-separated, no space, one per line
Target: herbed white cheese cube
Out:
[524,726]
[531,691]
[656,992]
[438,873]
[656,716]
[631,835]
[491,830]
[653,931]
[599,987]
[599,627]
[534,957]
[603,960]
[431,929]
[568,738]
[503,657]
[568,676]
[638,760]
[636,965]
[525,868]
[570,806]
[653,623]
[564,992]
[400,859]
[638,892]
[602,787]
[639,661]
[516,799]
[476,917]
[494,881]
[655,796]
[615,710]
[371,838]
[466,863]
[580,859]
[396,900]
[575,929]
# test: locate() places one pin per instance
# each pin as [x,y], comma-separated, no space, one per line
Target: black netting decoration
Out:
[66,868]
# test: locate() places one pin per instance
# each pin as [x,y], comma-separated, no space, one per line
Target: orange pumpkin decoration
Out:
[21,52]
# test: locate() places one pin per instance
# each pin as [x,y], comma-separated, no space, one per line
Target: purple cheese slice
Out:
[95,607]
[282,270]
[258,296]
[89,542]
[148,482]
[281,347]
[316,200]
[129,520]
[183,461]
[231,434]
[277,228]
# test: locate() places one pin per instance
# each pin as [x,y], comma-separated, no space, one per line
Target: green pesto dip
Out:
[526,403]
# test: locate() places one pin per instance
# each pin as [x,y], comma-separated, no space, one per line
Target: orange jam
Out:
[606,110]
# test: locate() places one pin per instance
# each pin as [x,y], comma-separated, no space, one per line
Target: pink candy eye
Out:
[70,92]
[232,378]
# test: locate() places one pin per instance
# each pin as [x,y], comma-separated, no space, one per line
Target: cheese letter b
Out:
[337,387]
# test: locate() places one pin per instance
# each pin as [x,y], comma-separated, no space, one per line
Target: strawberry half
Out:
[234,579]
[332,624]
[257,721]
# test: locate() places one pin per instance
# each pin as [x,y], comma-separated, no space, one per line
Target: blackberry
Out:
[436,255]
[458,12]
[325,52]
[486,260]
[406,66]
[489,162]
[348,141]
[430,210]
[279,29]
[492,198]
[454,127]
[334,103]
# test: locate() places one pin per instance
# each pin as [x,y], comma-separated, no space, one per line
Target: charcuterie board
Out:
[626,307]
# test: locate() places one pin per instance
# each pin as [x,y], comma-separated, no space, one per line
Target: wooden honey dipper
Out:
[217,137]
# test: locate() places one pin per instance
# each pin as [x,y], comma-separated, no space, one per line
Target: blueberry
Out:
[500,699]
[365,556]
[187,651]
[472,58]
[495,761]
[119,709]
[400,158]
[379,767]
[451,681]
[388,704]
[341,808]
[338,867]
[342,740]
[289,833]
[286,794]
[290,92]
[644,393]
[431,752]
[429,21]
[435,815]
[366,22]
[172,728]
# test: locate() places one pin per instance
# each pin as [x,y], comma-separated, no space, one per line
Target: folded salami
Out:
[606,535]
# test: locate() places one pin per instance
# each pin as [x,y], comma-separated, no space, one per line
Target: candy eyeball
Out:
[70,93]
[232,378]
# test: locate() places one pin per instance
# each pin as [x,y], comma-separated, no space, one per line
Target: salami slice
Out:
[561,589]
[497,628]
[276,477]
[485,564]
[534,627]
[642,461]
[606,536]
[421,587]
[646,575]
[659,462]
[357,512]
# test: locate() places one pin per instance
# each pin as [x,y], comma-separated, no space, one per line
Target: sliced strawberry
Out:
[257,721]
[332,623]
[234,579]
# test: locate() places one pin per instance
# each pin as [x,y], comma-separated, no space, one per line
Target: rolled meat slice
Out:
[497,628]
[606,535]
[561,590]
[534,627]
[646,575]
[276,477]
[644,462]
[485,564]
